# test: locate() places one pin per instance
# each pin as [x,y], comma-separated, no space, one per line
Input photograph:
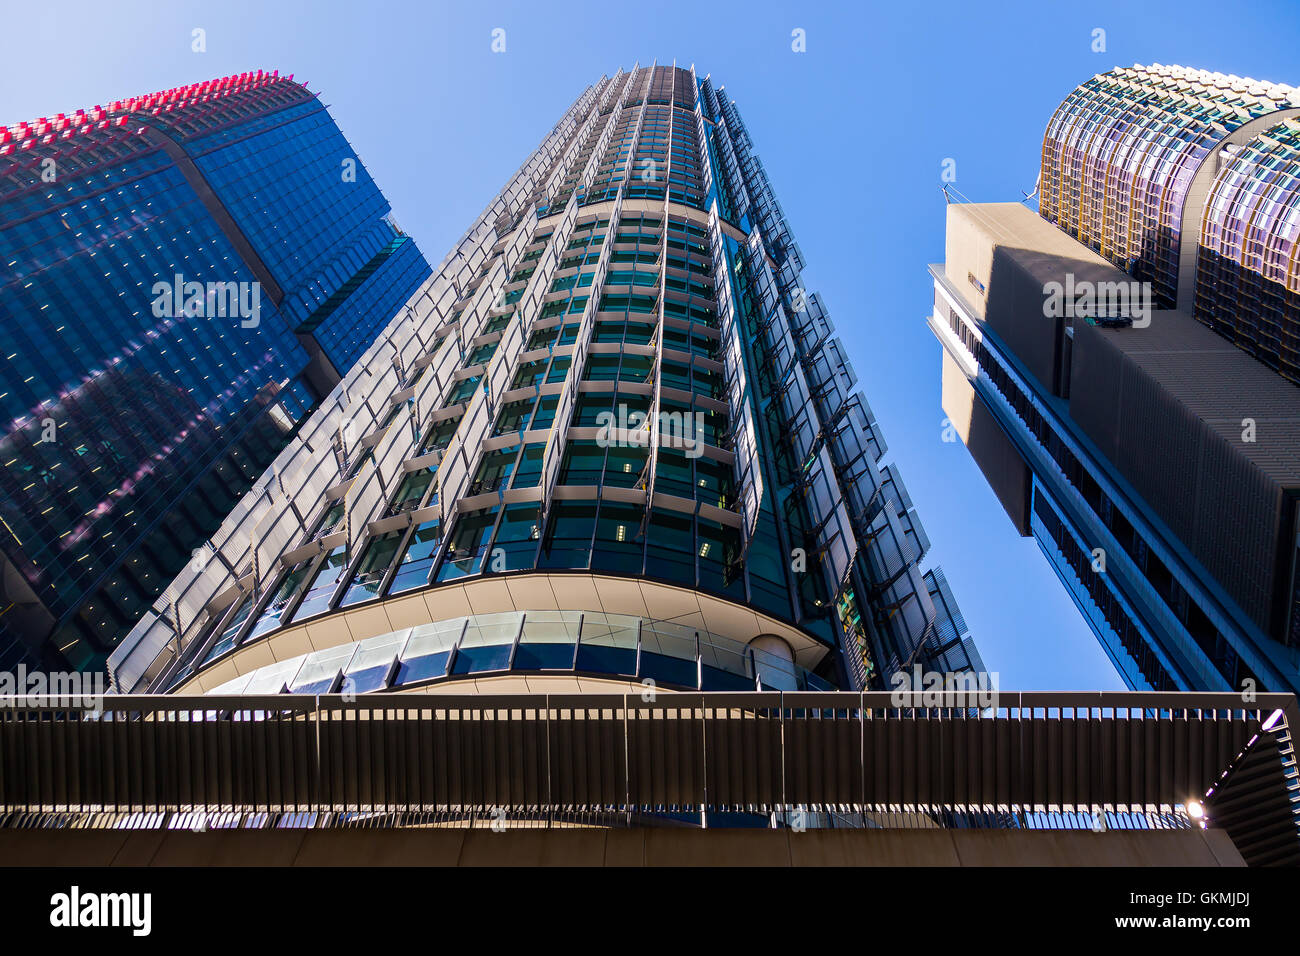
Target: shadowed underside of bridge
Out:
[642,846]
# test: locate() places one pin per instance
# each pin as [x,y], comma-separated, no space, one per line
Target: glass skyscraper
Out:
[183,276]
[1123,368]
[612,440]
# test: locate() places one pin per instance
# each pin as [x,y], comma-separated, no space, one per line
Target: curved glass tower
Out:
[613,438]
[1125,163]
[1248,274]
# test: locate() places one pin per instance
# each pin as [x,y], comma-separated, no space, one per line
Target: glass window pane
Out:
[284,595]
[231,629]
[568,541]
[670,553]
[371,666]
[724,665]
[426,653]
[372,568]
[487,643]
[668,653]
[322,587]
[515,545]
[619,544]
[417,561]
[548,641]
[468,546]
[608,644]
[529,472]
[274,678]
[321,671]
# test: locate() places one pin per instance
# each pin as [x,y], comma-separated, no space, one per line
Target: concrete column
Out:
[776,646]
[780,677]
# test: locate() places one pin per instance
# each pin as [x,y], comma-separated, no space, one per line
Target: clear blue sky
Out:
[853,134]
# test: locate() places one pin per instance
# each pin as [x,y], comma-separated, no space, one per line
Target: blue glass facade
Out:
[120,401]
[310,209]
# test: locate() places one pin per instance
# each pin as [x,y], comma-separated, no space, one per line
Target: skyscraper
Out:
[1156,462]
[613,440]
[602,513]
[183,275]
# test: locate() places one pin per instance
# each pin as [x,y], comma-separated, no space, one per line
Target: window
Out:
[463,391]
[589,407]
[584,463]
[618,544]
[494,470]
[321,589]
[330,521]
[542,338]
[440,434]
[427,652]
[528,473]
[372,568]
[468,544]
[514,416]
[559,369]
[372,663]
[719,553]
[529,374]
[481,354]
[418,559]
[670,551]
[515,545]
[548,641]
[714,483]
[625,465]
[231,630]
[601,368]
[673,474]
[285,592]
[568,540]
[411,491]
[486,643]
[545,415]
